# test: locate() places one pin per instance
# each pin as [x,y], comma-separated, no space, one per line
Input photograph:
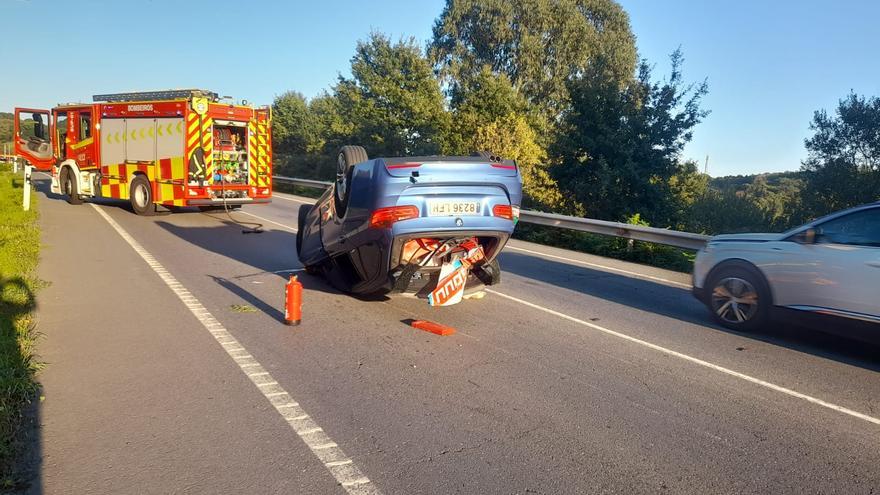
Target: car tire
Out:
[739,297]
[141,196]
[347,158]
[69,187]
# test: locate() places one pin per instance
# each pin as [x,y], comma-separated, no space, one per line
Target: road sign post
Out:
[26,203]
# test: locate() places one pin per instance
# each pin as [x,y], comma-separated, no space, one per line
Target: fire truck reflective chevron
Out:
[189,150]
[252,151]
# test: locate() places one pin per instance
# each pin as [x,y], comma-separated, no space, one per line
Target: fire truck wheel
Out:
[142,196]
[68,187]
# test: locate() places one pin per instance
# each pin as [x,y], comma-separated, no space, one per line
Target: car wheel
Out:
[346,159]
[739,298]
[141,196]
[68,187]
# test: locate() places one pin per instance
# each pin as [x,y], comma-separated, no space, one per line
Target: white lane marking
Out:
[670,352]
[350,476]
[291,198]
[603,267]
[267,220]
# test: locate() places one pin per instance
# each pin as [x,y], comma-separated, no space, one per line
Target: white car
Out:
[827,271]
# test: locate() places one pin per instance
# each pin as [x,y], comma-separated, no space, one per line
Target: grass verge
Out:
[19,250]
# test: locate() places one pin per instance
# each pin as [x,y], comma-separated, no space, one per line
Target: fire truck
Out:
[172,148]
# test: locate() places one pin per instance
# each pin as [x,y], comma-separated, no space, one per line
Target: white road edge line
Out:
[670,352]
[603,267]
[267,220]
[348,475]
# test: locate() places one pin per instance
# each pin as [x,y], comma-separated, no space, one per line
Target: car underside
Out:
[418,225]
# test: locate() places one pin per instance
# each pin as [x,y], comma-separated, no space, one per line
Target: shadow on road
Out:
[19,404]
[678,303]
[271,252]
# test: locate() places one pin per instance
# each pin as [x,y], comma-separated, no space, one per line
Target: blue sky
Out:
[769,64]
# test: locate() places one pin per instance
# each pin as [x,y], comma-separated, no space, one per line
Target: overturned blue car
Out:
[412,225]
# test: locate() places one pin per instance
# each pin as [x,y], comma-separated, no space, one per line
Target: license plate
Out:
[452,208]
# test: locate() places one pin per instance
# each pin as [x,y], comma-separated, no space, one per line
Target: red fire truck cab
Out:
[172,148]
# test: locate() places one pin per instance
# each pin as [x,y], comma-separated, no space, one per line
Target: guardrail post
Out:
[14,164]
[26,203]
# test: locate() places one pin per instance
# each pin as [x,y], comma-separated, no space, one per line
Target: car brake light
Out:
[503,165]
[503,211]
[404,165]
[385,217]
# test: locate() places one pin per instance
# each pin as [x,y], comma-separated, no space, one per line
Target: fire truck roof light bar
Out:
[170,94]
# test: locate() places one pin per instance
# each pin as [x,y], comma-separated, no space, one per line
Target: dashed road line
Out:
[686,357]
[602,267]
[347,474]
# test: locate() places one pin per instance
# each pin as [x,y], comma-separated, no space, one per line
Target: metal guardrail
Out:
[317,184]
[685,240]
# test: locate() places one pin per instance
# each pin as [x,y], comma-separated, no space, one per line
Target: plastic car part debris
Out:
[450,288]
[435,328]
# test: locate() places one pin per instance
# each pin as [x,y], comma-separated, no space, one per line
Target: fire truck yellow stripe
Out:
[80,144]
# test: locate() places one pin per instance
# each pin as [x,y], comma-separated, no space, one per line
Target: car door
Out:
[847,251]
[33,137]
[81,140]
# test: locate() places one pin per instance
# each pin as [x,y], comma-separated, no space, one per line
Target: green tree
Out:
[512,137]
[618,148]
[6,130]
[392,105]
[725,212]
[842,168]
[538,44]
[490,114]
[295,130]
[685,188]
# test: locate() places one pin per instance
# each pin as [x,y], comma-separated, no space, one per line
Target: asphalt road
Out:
[578,374]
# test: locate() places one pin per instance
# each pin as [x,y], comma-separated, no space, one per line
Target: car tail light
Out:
[503,211]
[503,165]
[385,217]
[403,165]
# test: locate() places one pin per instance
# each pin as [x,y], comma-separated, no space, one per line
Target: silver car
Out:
[825,272]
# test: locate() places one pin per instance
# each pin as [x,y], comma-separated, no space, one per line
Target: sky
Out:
[769,65]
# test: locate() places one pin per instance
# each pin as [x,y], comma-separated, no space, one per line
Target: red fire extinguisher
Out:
[293,301]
